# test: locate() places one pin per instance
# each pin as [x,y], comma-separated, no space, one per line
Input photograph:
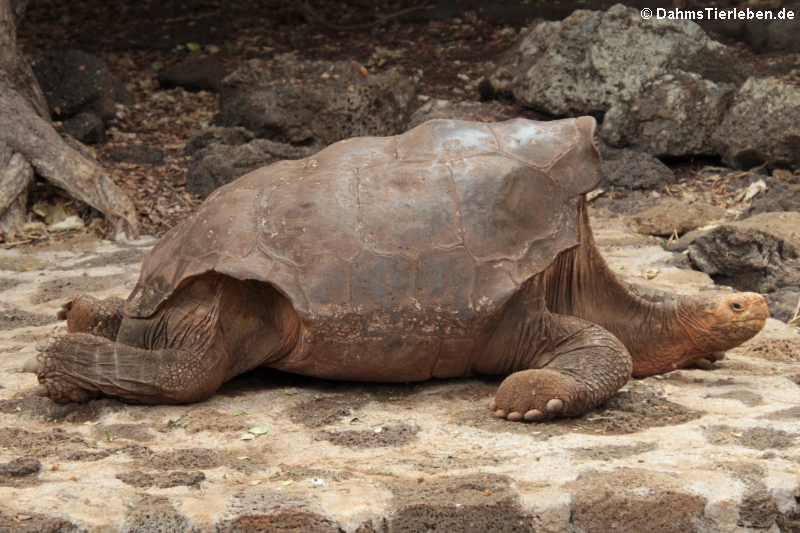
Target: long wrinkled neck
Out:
[581,284]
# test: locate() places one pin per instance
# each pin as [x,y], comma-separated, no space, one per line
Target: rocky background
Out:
[699,127]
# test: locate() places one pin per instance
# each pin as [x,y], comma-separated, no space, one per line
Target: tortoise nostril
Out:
[736,306]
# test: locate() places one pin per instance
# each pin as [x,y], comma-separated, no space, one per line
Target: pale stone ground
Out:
[711,451]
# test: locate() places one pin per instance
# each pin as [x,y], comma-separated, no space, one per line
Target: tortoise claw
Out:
[703,364]
[40,390]
[534,415]
[500,413]
[493,405]
[31,365]
[515,416]
[554,405]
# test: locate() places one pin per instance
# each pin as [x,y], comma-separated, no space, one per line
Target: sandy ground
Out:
[693,450]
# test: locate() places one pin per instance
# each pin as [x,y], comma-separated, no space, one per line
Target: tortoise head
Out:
[716,322]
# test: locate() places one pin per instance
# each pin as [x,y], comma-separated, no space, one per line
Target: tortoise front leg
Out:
[85,314]
[572,367]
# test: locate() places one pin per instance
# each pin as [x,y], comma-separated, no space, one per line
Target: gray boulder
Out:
[674,115]
[472,111]
[758,254]
[762,126]
[221,155]
[314,102]
[629,169]
[74,81]
[592,60]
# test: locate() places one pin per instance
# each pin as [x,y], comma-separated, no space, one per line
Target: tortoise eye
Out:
[736,306]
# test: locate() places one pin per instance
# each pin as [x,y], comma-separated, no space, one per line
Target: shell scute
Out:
[445,290]
[537,143]
[311,215]
[505,205]
[408,207]
[444,140]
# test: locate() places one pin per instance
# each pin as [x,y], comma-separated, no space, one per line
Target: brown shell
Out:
[420,233]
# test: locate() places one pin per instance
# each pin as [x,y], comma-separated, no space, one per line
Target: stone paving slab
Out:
[705,451]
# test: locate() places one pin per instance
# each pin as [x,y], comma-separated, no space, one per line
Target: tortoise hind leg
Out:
[78,367]
[209,331]
[570,368]
[174,356]
[86,314]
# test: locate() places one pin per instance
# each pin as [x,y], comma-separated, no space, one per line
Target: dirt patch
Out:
[136,432]
[758,508]
[85,455]
[34,523]
[609,453]
[629,500]
[627,412]
[749,398]
[276,512]
[8,284]
[458,460]
[317,413]
[781,350]
[12,317]
[65,288]
[792,413]
[152,514]
[20,467]
[21,263]
[19,471]
[201,459]
[40,444]
[761,438]
[469,503]
[198,421]
[38,408]
[143,480]
[398,435]
[302,472]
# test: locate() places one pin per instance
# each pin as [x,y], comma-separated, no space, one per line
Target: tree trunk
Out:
[28,142]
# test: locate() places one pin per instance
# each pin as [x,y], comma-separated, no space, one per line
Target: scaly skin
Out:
[85,314]
[662,331]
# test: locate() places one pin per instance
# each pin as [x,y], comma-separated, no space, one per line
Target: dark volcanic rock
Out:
[85,127]
[314,102]
[74,81]
[228,136]
[759,254]
[629,169]
[220,156]
[781,195]
[203,74]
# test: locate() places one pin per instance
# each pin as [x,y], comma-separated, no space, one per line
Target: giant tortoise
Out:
[452,250]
